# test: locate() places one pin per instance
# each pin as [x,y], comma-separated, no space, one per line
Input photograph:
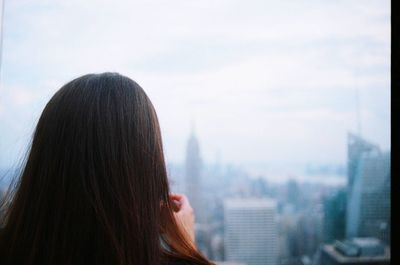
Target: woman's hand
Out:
[183,213]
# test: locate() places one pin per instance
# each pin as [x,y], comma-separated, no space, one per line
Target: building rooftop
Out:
[341,258]
[366,241]
[355,247]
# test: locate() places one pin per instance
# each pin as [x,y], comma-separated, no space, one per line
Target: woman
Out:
[94,188]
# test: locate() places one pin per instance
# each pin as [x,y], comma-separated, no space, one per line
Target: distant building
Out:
[293,193]
[357,251]
[368,206]
[334,222]
[251,231]
[193,177]
[356,147]
[194,189]
[306,236]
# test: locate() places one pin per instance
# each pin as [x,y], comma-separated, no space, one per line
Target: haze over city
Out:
[261,82]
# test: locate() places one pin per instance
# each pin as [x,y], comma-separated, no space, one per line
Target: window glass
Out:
[275,115]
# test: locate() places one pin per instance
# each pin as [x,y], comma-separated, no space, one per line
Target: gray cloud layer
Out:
[263,80]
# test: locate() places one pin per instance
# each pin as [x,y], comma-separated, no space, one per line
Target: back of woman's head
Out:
[94,188]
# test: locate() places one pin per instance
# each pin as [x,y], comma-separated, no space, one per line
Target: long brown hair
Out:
[94,188]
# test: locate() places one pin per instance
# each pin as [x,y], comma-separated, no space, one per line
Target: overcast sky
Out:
[262,81]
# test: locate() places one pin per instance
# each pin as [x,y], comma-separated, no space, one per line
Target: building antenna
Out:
[192,127]
[358,111]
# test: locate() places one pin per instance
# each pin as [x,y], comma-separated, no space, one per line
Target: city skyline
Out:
[298,218]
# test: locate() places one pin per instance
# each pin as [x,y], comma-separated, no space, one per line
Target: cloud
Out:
[275,80]
[21,97]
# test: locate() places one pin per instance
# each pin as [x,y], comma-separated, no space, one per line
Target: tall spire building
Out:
[368,205]
[193,175]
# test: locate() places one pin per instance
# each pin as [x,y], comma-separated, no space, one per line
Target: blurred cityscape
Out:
[247,220]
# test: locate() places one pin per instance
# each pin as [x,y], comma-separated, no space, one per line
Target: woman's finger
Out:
[181,198]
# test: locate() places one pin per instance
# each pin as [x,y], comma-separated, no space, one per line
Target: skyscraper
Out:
[251,231]
[334,222]
[356,147]
[368,206]
[293,194]
[193,178]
